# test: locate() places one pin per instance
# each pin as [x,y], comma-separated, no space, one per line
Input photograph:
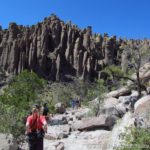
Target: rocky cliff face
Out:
[54,50]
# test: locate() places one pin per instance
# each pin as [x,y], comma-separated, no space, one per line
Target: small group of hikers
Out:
[76,103]
[36,126]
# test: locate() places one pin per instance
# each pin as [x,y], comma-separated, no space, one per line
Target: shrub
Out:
[135,139]
[65,95]
[97,91]
[16,100]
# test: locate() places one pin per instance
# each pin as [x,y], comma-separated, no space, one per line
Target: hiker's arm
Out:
[28,125]
[44,123]
[27,128]
[45,126]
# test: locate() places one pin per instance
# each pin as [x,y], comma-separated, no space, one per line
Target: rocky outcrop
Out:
[54,49]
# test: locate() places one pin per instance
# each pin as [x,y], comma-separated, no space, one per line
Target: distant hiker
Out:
[73,103]
[77,103]
[46,111]
[36,126]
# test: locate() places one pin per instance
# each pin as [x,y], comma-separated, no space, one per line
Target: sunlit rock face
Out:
[54,49]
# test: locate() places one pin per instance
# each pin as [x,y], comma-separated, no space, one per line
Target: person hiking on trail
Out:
[73,103]
[36,127]
[45,111]
[77,103]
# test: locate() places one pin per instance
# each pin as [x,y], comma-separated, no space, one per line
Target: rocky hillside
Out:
[55,49]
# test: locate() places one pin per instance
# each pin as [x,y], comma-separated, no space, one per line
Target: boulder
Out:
[57,132]
[59,107]
[60,146]
[82,113]
[141,122]
[112,94]
[124,100]
[109,102]
[93,123]
[121,92]
[142,105]
[67,129]
[113,107]
[128,101]
[142,112]
[51,136]
[53,145]
[7,142]
[56,136]
[58,120]
[118,110]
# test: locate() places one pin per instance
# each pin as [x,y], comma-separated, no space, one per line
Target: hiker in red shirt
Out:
[36,126]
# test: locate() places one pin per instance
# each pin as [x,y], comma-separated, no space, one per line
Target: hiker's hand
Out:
[26,132]
[45,129]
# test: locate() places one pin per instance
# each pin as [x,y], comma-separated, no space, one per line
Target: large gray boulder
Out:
[142,112]
[117,110]
[57,132]
[142,105]
[113,107]
[93,123]
[120,92]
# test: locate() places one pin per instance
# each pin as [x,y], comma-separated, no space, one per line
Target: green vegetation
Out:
[135,139]
[114,80]
[16,101]
[64,95]
[136,58]
[63,92]
[47,95]
[97,91]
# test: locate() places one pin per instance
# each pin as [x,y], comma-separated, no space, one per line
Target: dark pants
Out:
[34,142]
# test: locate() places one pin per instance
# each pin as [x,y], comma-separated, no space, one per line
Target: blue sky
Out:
[125,18]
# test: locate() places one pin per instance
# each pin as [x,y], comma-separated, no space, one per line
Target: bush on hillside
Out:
[65,94]
[135,139]
[97,91]
[16,101]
